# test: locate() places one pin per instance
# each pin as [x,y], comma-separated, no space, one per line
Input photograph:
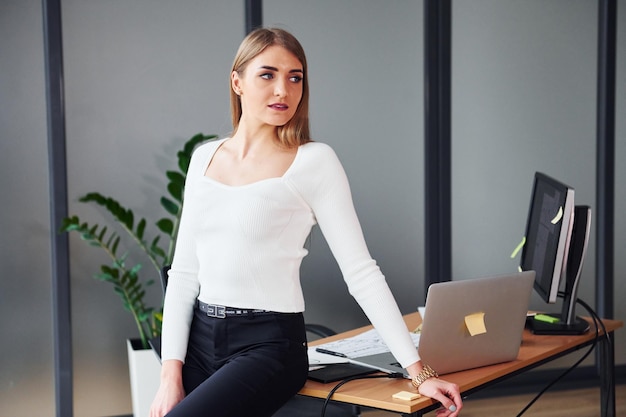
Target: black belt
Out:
[221,312]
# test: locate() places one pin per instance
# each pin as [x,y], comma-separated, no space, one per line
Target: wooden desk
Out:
[535,350]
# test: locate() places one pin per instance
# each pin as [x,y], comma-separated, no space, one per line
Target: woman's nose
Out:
[280,90]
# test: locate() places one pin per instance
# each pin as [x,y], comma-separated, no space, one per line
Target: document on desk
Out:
[319,360]
[363,344]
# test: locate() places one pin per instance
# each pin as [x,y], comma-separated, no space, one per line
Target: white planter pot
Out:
[145,370]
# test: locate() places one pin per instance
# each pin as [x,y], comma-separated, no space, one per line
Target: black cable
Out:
[596,320]
[394,375]
[597,324]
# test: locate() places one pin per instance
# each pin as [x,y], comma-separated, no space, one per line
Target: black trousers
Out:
[243,365]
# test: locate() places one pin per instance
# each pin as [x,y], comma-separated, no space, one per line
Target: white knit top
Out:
[242,246]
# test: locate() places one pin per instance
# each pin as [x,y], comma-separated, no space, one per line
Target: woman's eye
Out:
[295,79]
[267,76]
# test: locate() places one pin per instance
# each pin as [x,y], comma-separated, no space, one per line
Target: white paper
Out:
[363,344]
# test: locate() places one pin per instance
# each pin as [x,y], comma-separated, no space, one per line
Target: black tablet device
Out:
[339,372]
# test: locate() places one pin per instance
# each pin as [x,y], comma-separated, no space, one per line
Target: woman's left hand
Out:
[446,393]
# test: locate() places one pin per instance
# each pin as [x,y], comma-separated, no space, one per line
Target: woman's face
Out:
[270,87]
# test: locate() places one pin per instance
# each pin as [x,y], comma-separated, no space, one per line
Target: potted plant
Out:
[123,273]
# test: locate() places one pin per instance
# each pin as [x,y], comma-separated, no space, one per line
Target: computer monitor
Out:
[556,239]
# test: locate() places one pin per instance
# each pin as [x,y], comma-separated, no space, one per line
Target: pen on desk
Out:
[330,352]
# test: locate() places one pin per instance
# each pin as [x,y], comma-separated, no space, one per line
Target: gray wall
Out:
[143,75]
[25,326]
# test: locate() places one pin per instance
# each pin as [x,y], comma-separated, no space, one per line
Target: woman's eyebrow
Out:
[270,68]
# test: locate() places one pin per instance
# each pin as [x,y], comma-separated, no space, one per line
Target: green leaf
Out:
[191,143]
[155,242]
[102,234]
[109,241]
[141,227]
[176,177]
[157,251]
[93,197]
[166,226]
[135,269]
[115,245]
[69,224]
[175,190]
[183,162]
[114,207]
[129,219]
[169,206]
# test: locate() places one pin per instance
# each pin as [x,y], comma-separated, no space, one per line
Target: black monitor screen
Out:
[548,231]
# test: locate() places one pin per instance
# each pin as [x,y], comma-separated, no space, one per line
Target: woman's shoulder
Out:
[318,156]
[208,146]
[317,150]
[316,171]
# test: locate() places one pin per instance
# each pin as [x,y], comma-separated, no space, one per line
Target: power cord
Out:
[596,320]
[597,324]
[393,375]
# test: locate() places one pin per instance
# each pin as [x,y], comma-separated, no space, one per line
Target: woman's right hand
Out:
[171,390]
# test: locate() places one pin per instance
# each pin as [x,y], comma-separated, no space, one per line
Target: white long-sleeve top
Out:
[242,246]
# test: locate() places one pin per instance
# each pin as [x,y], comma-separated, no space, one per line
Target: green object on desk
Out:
[546,318]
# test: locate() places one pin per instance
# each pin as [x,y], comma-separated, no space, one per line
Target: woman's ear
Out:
[235,82]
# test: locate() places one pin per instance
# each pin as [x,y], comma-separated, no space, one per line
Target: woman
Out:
[233,338]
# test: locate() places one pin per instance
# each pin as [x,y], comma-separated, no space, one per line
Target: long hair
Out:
[296,131]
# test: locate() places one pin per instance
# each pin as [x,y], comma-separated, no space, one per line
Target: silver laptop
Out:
[468,324]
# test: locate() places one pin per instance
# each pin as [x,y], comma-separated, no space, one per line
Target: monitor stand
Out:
[567,322]
[578,326]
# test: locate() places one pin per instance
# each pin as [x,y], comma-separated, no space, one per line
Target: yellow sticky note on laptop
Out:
[475,324]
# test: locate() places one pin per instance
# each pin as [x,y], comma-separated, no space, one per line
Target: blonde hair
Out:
[296,131]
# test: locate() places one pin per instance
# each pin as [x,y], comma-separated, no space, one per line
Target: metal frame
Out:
[61,300]
[254,14]
[437,141]
[605,163]
[605,188]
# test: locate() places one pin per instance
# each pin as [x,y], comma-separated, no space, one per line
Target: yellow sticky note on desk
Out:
[406,396]
[475,324]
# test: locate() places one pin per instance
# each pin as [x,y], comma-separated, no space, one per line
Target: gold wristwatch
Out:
[425,373]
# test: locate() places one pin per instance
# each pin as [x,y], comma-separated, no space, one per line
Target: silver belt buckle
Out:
[219,312]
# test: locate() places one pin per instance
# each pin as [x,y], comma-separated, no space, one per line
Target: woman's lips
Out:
[279,106]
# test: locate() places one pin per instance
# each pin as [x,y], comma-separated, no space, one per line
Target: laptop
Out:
[468,324]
